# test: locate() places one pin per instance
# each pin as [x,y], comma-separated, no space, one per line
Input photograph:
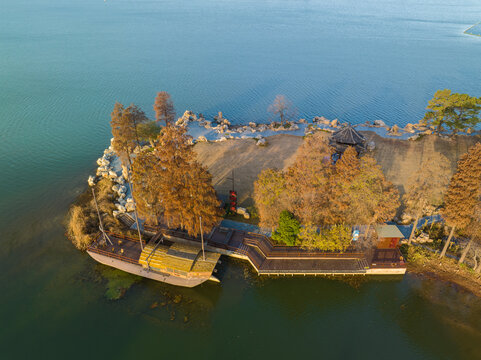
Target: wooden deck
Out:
[122,248]
[270,259]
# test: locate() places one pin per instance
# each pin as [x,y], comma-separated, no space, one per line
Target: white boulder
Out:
[120,208]
[379,123]
[241,210]
[129,206]
[91,180]
[261,142]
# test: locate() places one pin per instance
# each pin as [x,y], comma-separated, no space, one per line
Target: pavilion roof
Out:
[348,135]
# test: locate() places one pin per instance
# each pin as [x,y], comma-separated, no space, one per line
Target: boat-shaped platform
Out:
[155,262]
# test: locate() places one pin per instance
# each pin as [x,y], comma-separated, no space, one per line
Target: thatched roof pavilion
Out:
[347,136]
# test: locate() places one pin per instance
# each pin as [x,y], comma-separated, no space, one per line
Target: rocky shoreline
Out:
[221,129]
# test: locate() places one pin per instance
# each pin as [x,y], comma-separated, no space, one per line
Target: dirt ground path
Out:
[398,158]
[247,160]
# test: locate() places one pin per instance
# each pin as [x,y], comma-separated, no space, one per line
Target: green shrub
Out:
[287,230]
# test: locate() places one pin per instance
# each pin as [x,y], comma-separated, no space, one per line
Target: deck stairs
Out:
[126,219]
[363,264]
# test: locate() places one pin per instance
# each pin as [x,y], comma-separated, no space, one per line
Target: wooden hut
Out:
[388,236]
[347,136]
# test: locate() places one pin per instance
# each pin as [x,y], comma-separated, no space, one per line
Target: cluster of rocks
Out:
[422,238]
[123,200]
[416,129]
[321,120]
[105,168]
[243,211]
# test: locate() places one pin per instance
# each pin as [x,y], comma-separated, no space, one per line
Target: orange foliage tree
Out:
[164,108]
[463,193]
[169,180]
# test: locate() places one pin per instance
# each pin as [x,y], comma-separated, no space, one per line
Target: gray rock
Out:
[261,142]
[334,123]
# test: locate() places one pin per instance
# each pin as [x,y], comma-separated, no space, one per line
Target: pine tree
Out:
[456,111]
[463,193]
[164,108]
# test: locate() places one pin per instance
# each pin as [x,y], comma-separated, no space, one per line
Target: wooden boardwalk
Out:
[270,259]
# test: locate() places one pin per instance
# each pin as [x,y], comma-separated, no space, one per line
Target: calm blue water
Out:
[63,64]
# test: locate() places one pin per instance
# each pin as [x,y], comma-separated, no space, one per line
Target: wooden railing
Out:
[113,255]
[118,236]
[265,245]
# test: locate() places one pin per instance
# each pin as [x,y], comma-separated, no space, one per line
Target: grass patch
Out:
[82,221]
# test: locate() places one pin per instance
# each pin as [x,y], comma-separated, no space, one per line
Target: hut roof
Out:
[348,135]
[389,231]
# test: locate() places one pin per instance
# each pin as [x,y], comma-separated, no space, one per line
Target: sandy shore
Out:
[398,158]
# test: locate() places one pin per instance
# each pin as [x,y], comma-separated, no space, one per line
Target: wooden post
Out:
[201,238]
[100,219]
[448,241]
[135,212]
[415,225]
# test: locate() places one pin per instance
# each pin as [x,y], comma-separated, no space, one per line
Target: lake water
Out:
[63,64]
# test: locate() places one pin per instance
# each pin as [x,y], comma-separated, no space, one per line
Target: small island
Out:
[291,197]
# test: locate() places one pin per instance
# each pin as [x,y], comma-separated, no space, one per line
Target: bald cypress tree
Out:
[308,182]
[171,184]
[368,197]
[426,186]
[270,196]
[463,193]
[124,123]
[164,108]
[473,230]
